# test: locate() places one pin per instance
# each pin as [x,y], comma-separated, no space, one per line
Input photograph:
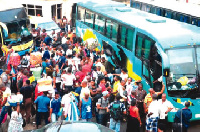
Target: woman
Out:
[134,122]
[57,78]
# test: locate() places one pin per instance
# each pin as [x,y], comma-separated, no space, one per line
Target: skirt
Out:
[133,124]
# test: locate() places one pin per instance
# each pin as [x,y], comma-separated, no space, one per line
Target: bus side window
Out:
[114,31]
[108,28]
[193,21]
[133,4]
[99,24]
[148,8]
[158,11]
[153,10]
[138,6]
[81,14]
[123,36]
[138,46]
[198,22]
[144,6]
[89,18]
[129,44]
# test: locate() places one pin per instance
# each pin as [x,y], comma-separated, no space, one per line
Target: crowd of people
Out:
[84,87]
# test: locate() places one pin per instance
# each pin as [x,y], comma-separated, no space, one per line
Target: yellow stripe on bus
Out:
[131,73]
[23,46]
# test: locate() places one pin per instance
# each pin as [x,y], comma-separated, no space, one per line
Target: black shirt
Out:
[26,91]
[97,96]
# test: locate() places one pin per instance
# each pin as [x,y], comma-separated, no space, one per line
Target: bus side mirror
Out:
[166,72]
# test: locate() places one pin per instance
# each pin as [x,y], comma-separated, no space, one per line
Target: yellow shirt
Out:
[7,93]
[32,78]
[116,86]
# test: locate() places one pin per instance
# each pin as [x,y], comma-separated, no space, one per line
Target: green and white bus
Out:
[149,46]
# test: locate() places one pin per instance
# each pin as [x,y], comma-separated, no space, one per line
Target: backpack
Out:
[116,112]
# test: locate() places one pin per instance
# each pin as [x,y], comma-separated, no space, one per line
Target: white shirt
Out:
[124,76]
[77,61]
[154,108]
[83,91]
[56,57]
[66,99]
[64,40]
[121,91]
[129,88]
[68,79]
[69,52]
[163,107]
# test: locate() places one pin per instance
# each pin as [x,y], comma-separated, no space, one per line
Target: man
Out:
[165,107]
[27,92]
[61,61]
[148,98]
[85,107]
[140,96]
[84,89]
[183,116]
[116,85]
[6,78]
[131,97]
[4,104]
[55,105]
[46,54]
[153,115]
[102,106]
[121,90]
[43,103]
[95,100]
[117,109]
[56,57]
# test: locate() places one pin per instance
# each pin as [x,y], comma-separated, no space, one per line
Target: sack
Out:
[116,112]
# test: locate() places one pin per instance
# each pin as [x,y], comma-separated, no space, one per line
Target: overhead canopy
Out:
[14,14]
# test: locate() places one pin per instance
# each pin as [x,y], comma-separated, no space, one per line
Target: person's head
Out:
[2,87]
[124,70]
[88,78]
[25,72]
[133,102]
[102,80]
[140,86]
[53,32]
[83,58]
[70,47]
[118,97]
[86,95]
[92,82]
[151,90]
[103,59]
[7,71]
[154,97]
[43,30]
[123,83]
[45,93]
[98,68]
[187,104]
[27,82]
[56,95]
[84,84]
[129,80]
[69,70]
[46,60]
[163,97]
[133,92]
[117,78]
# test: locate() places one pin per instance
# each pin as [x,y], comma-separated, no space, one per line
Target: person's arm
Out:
[162,90]
[4,101]
[80,104]
[18,108]
[50,112]
[138,116]
[54,82]
[99,105]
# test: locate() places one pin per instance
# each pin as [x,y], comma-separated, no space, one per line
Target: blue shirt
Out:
[86,109]
[186,116]
[55,105]
[43,103]
[62,60]
[47,40]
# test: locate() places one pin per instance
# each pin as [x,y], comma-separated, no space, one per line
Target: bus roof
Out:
[169,33]
[4,5]
[182,7]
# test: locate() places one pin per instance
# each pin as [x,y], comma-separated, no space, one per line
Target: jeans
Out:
[103,118]
[54,117]
[115,125]
[39,117]
[4,110]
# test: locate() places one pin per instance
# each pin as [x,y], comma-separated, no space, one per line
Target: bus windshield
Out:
[48,26]
[182,69]
[18,32]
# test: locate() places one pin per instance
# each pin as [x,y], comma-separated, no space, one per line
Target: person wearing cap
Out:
[43,103]
[102,106]
[153,115]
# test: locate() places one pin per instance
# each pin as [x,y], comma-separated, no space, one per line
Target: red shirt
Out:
[101,85]
[81,75]
[37,93]
[133,111]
